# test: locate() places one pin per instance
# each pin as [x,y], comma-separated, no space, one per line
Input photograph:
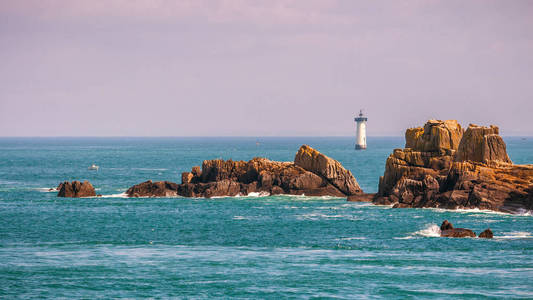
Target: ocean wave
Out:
[431,230]
[240,218]
[121,195]
[46,189]
[514,235]
[255,194]
[318,216]
[521,212]
[404,238]
[150,169]
[353,238]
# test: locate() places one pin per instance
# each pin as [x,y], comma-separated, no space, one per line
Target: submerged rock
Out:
[487,234]
[443,167]
[312,174]
[447,230]
[76,189]
[458,233]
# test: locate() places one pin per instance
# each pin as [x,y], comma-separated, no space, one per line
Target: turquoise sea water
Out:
[243,247]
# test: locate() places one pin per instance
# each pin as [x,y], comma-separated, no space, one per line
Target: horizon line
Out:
[213,136]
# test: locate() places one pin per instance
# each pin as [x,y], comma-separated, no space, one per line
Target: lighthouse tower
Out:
[360,137]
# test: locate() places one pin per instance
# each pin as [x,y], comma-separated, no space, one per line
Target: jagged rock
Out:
[219,178]
[196,171]
[486,234]
[473,173]
[186,177]
[330,169]
[153,189]
[436,135]
[447,230]
[76,189]
[482,144]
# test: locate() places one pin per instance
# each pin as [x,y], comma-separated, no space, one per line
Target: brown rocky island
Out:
[312,174]
[444,166]
[76,189]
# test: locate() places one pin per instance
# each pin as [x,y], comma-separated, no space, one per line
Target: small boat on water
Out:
[94,167]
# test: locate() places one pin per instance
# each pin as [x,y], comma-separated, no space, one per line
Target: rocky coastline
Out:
[441,166]
[312,174]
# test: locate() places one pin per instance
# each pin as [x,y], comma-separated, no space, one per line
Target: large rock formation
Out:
[312,174]
[442,167]
[76,189]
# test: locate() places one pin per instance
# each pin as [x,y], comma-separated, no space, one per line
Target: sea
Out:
[252,246]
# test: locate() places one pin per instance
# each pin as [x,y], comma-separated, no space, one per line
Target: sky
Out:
[262,68]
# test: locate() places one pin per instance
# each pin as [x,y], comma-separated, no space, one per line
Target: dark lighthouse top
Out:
[361,118]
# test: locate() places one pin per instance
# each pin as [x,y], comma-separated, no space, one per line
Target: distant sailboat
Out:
[94,167]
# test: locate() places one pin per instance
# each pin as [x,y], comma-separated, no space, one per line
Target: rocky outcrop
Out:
[331,170]
[447,230]
[76,189]
[434,136]
[482,144]
[312,174]
[153,189]
[443,167]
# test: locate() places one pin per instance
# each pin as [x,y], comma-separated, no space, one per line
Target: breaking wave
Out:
[121,195]
[514,235]
[431,230]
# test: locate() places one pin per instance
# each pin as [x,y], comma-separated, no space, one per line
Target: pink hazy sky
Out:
[262,68]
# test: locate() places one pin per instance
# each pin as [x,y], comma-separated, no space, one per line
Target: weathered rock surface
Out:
[312,174]
[482,144]
[447,230]
[434,136]
[313,161]
[442,167]
[76,189]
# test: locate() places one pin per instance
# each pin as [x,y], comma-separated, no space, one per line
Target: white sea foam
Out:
[404,238]
[258,194]
[524,212]
[46,189]
[514,235]
[353,238]
[318,216]
[482,211]
[149,169]
[240,218]
[251,195]
[431,230]
[121,195]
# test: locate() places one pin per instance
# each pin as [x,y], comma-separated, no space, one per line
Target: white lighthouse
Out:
[360,138]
